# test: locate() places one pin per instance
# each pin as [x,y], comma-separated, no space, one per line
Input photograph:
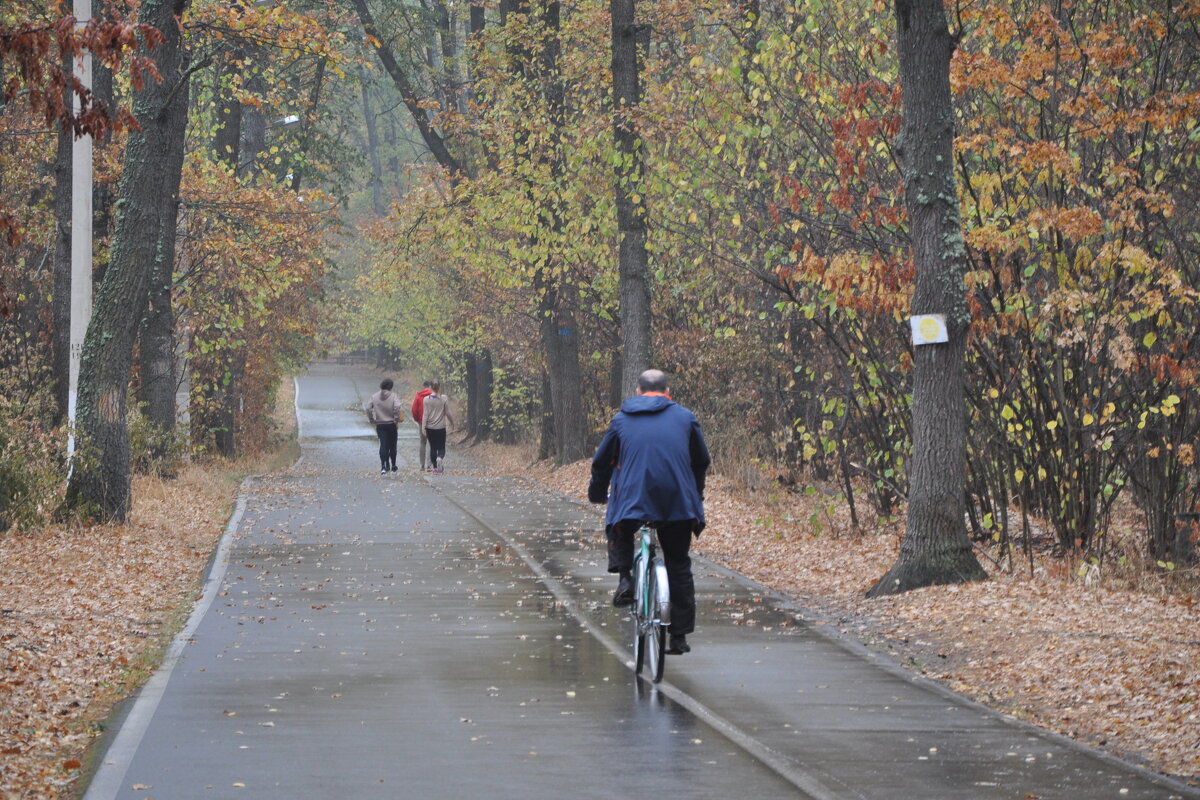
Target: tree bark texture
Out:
[100,481]
[157,338]
[470,366]
[60,366]
[632,259]
[227,141]
[935,548]
[546,423]
[254,126]
[103,93]
[487,383]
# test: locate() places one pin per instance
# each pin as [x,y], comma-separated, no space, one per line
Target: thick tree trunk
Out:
[470,365]
[103,197]
[632,259]
[156,351]
[486,383]
[935,548]
[100,481]
[60,365]
[157,342]
[546,422]
[227,142]
[570,419]
[254,129]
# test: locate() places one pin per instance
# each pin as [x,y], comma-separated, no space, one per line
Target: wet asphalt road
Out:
[450,636]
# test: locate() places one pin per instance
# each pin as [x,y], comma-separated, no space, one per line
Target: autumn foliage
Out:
[780,251]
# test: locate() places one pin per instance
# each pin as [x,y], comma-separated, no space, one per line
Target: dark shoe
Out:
[623,596]
[395,468]
[678,645]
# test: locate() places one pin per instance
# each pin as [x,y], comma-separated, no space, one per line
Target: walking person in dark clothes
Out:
[655,459]
[385,413]
[435,419]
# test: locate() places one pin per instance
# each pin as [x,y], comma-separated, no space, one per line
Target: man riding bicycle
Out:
[655,458]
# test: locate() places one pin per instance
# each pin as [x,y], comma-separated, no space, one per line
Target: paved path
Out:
[450,636]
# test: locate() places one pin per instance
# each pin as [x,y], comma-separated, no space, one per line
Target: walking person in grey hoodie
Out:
[385,413]
[435,418]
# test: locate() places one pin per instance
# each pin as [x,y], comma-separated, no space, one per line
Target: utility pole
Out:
[81,228]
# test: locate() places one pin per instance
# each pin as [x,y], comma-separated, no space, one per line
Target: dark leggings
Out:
[437,445]
[387,433]
[674,539]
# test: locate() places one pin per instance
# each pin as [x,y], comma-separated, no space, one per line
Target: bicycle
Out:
[651,607]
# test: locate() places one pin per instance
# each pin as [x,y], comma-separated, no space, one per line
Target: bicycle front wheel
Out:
[637,615]
[639,643]
[656,651]
[654,640]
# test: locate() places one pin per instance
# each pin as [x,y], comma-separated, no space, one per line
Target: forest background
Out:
[452,186]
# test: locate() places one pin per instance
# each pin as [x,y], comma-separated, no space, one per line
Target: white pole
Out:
[81,231]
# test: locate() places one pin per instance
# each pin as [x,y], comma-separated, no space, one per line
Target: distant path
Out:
[450,636]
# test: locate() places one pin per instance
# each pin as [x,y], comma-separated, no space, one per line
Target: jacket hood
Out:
[646,404]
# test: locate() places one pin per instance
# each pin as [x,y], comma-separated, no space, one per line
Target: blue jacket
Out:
[655,459]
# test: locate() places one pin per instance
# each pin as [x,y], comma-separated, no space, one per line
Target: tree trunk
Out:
[99,484]
[486,382]
[546,423]
[60,366]
[102,95]
[632,259]
[570,422]
[935,548]
[254,128]
[471,366]
[448,81]
[314,102]
[157,342]
[372,147]
[570,416]
[156,351]
[227,141]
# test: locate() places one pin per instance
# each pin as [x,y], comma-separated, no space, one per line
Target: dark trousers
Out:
[437,445]
[387,444]
[674,539]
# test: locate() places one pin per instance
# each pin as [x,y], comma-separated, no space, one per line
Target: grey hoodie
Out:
[384,407]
